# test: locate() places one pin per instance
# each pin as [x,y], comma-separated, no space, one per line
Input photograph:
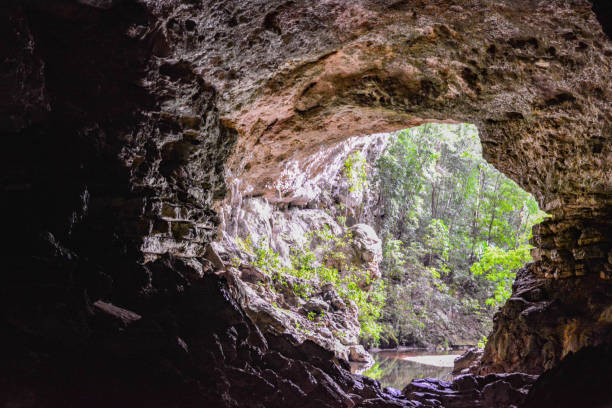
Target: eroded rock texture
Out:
[560,303]
[544,320]
[119,120]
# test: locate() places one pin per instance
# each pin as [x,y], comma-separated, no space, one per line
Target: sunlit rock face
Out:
[125,119]
[315,200]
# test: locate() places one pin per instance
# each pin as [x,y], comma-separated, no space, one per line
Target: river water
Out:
[396,368]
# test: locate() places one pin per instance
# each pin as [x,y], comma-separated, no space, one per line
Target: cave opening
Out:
[455,231]
[396,241]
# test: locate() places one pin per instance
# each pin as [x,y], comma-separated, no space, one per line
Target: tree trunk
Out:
[494,209]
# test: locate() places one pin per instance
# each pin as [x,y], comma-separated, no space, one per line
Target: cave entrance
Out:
[404,239]
[454,232]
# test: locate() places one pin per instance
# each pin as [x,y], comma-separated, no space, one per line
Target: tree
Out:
[499,266]
[454,228]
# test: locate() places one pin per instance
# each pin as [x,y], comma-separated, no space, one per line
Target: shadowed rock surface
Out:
[583,378]
[122,121]
[546,319]
[501,390]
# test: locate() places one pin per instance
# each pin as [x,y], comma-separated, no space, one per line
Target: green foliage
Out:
[312,273]
[456,230]
[375,372]
[393,257]
[302,329]
[369,305]
[325,234]
[355,172]
[266,259]
[437,238]
[499,266]
[482,342]
[303,290]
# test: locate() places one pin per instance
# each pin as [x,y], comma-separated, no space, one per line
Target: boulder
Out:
[582,379]
[330,295]
[252,274]
[469,358]
[359,354]
[471,391]
[212,255]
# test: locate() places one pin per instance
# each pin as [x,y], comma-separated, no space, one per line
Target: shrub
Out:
[355,172]
[499,266]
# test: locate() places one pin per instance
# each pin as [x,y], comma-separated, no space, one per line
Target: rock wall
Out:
[120,119]
[114,154]
[584,377]
[561,302]
[319,203]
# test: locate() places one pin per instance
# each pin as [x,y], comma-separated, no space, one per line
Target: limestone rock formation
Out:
[468,361]
[545,320]
[307,219]
[281,312]
[122,121]
[364,252]
[276,305]
[533,121]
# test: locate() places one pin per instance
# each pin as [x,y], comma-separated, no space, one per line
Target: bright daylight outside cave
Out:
[410,244]
[271,203]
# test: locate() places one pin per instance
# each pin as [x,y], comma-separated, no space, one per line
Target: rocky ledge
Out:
[469,391]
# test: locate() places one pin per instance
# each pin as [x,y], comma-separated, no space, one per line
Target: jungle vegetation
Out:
[455,231]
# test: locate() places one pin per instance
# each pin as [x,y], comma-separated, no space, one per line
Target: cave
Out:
[134,129]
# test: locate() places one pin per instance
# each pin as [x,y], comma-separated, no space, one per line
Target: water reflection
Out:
[392,370]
